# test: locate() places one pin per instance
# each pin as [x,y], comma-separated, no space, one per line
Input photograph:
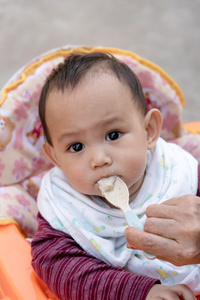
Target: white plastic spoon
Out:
[116,192]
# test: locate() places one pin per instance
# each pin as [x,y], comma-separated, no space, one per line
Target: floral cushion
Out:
[22,162]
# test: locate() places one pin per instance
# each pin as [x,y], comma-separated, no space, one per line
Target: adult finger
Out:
[167,228]
[172,207]
[157,245]
[163,211]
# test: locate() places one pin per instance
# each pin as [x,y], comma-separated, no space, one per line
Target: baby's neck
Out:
[134,190]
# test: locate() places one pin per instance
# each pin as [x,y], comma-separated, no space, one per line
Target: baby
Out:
[96,125]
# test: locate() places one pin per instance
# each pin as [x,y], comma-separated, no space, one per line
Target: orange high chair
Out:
[22,163]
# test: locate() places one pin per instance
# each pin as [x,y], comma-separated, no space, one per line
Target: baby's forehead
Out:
[98,80]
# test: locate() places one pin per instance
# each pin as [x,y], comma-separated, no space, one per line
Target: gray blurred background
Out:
[164,32]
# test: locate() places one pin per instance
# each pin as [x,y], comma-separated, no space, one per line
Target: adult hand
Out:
[171,231]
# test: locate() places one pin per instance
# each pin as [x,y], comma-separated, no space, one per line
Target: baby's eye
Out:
[76,147]
[113,135]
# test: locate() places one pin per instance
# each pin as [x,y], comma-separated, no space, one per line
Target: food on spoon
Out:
[106,184]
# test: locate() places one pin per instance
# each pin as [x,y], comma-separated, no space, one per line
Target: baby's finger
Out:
[184,292]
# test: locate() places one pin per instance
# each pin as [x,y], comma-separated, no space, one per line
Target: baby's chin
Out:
[95,192]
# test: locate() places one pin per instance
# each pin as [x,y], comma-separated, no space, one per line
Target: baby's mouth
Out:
[96,184]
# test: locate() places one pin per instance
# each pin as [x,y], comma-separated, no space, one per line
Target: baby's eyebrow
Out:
[67,135]
[73,132]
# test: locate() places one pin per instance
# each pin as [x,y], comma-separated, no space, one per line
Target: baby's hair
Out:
[68,74]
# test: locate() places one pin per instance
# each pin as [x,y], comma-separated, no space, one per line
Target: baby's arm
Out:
[176,292]
[71,273]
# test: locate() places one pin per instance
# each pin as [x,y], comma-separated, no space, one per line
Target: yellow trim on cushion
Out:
[65,52]
[152,66]
[11,221]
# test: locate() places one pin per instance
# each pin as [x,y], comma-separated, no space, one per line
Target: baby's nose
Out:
[100,158]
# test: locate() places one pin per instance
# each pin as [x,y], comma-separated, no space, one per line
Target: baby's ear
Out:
[50,153]
[153,125]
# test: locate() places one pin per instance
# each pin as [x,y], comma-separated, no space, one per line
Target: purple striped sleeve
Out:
[73,274]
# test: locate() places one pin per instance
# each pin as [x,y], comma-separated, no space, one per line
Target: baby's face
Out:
[97,131]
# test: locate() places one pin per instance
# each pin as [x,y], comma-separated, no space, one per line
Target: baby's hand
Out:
[176,292]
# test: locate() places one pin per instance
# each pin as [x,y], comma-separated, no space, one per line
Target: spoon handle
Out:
[133,220]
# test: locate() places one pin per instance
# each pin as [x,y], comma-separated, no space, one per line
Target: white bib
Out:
[99,229]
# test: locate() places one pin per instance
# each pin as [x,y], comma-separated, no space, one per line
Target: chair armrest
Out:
[18,279]
[193,127]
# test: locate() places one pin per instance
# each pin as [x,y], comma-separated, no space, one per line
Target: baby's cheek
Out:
[78,180]
[134,172]
[137,168]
